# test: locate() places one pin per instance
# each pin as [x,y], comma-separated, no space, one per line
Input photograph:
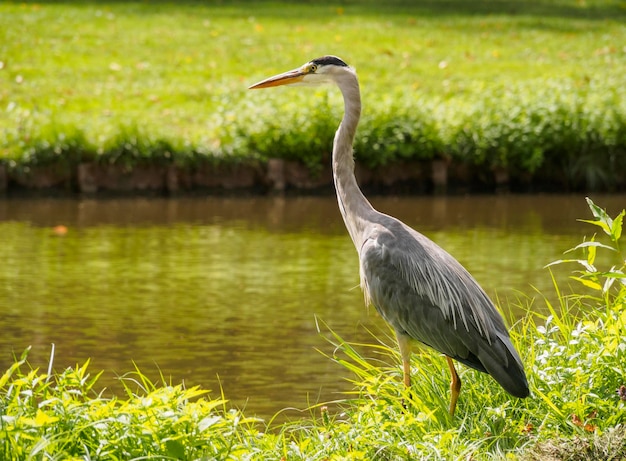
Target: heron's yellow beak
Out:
[286,78]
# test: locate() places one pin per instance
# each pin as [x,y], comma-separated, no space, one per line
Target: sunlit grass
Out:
[515,84]
[575,356]
[60,416]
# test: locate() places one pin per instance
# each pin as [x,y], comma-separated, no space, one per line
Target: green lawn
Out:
[518,84]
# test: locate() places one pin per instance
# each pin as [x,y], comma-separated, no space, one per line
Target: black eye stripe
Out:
[329,60]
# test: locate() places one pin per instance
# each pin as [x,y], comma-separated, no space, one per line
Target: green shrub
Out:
[131,146]
[394,128]
[63,146]
[294,131]
[61,417]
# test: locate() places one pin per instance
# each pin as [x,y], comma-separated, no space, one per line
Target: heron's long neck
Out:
[353,205]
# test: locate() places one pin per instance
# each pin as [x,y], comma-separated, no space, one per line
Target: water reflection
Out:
[224,291]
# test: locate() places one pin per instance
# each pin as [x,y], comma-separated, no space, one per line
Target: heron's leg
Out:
[405,352]
[455,386]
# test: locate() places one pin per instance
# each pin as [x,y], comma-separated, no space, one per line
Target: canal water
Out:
[228,293]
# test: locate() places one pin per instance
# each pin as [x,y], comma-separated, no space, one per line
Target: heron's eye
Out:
[311,68]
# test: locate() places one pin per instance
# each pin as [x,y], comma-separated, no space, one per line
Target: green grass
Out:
[524,85]
[61,417]
[575,356]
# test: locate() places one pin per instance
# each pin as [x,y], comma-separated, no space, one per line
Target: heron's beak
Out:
[286,78]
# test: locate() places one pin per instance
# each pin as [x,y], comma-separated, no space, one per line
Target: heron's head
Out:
[321,70]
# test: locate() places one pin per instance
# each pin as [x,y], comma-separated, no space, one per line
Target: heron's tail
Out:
[505,366]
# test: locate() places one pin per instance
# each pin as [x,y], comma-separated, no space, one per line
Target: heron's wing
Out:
[424,293]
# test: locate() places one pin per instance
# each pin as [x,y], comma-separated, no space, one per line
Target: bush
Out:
[60,416]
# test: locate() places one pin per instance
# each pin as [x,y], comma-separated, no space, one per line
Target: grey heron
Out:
[423,292]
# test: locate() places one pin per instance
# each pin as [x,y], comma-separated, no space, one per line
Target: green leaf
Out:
[207,422]
[591,254]
[607,284]
[597,212]
[44,419]
[582,262]
[603,219]
[588,283]
[616,228]
[614,275]
[175,449]
[605,227]
[591,244]
[25,354]
[7,374]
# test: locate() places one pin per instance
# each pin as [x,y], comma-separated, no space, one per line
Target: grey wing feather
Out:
[424,293]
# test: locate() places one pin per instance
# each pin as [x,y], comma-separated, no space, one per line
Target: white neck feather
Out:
[353,205]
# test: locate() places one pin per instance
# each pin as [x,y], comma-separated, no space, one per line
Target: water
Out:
[226,291]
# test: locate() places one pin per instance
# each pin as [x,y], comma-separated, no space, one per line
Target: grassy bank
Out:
[534,87]
[575,357]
